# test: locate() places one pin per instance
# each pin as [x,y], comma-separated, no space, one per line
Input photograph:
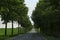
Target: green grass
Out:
[2,30]
[15,32]
[22,30]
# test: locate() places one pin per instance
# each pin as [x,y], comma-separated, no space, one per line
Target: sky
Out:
[31,4]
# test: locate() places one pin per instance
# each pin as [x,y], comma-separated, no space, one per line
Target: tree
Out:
[14,6]
[13,15]
[19,12]
[14,10]
[46,17]
[4,13]
[38,13]
[23,19]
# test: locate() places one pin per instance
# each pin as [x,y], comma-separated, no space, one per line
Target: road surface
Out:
[31,36]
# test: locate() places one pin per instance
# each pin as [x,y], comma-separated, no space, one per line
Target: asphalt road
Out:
[29,36]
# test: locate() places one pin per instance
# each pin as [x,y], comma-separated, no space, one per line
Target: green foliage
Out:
[14,10]
[46,17]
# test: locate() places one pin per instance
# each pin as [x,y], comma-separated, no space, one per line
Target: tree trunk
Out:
[40,30]
[18,27]
[51,28]
[12,27]
[5,28]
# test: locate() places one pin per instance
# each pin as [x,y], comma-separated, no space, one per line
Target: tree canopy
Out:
[46,16]
[14,10]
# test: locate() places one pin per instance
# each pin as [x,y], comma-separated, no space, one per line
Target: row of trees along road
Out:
[46,16]
[14,10]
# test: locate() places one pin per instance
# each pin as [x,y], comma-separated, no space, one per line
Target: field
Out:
[15,32]
[8,31]
[2,37]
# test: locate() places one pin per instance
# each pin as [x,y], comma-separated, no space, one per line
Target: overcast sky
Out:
[31,4]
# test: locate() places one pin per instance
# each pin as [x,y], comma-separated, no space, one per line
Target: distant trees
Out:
[24,19]
[46,17]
